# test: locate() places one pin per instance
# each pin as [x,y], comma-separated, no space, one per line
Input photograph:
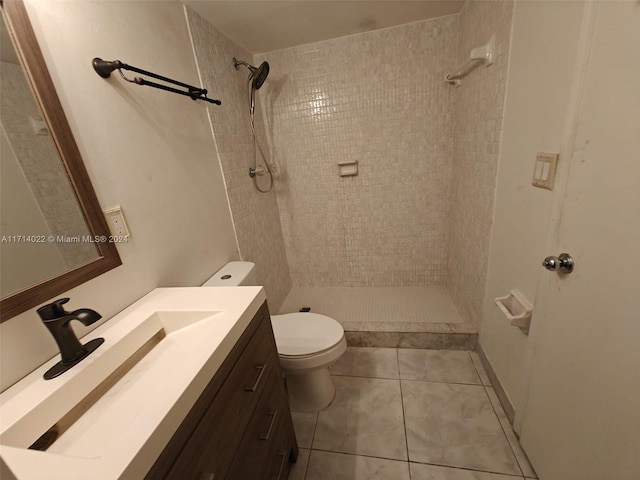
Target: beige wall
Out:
[255,215]
[377,98]
[543,51]
[477,129]
[148,150]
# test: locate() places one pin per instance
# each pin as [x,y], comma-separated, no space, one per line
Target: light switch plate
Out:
[544,171]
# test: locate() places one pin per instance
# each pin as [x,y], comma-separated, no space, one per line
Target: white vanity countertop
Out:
[123,433]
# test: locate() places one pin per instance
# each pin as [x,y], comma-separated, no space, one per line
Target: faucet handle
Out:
[53,310]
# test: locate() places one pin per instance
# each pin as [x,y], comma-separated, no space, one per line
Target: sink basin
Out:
[113,404]
[112,414]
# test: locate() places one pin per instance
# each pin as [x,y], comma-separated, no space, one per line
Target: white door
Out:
[582,417]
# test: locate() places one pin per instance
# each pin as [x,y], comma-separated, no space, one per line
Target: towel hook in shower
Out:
[104,69]
[481,55]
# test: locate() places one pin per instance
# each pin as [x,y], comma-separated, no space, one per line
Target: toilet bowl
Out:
[308,343]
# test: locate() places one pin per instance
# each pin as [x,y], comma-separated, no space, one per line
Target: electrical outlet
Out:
[117,224]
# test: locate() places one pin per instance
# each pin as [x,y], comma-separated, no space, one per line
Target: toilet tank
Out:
[234,274]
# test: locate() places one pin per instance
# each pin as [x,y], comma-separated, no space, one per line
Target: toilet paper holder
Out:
[516,308]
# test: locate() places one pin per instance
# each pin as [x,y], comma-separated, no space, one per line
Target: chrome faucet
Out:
[57,320]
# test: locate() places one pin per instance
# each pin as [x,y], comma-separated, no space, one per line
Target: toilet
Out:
[307,344]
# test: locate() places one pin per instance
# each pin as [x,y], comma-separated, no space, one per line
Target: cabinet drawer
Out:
[256,457]
[216,438]
[283,451]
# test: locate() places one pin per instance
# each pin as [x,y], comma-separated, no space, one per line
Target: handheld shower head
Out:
[257,75]
[260,75]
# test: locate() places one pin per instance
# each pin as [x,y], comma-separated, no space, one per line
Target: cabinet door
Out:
[215,440]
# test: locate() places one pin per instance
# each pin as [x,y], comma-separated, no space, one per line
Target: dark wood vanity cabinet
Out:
[240,428]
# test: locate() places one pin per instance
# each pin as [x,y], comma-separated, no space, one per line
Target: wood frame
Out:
[26,44]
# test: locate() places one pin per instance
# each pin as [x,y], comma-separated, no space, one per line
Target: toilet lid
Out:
[305,333]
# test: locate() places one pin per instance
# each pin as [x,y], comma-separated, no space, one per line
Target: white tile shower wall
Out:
[477,132]
[255,215]
[377,98]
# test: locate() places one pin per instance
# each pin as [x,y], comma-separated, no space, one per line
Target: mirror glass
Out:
[51,223]
[42,226]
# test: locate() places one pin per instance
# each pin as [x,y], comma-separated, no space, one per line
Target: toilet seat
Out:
[305,334]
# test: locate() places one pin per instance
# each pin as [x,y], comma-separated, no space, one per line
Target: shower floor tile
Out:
[382,309]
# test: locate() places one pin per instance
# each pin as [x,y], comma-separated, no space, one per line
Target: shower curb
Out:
[427,340]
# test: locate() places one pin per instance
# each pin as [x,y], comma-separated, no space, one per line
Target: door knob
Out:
[562,263]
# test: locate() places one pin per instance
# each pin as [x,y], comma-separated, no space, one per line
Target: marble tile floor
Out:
[409,414]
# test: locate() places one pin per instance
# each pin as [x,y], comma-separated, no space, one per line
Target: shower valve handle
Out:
[256,172]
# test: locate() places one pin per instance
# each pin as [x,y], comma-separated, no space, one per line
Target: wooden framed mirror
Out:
[93,235]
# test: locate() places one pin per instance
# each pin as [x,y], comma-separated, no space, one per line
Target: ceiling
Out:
[265,25]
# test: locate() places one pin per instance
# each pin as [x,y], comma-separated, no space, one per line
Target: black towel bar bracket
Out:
[104,69]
